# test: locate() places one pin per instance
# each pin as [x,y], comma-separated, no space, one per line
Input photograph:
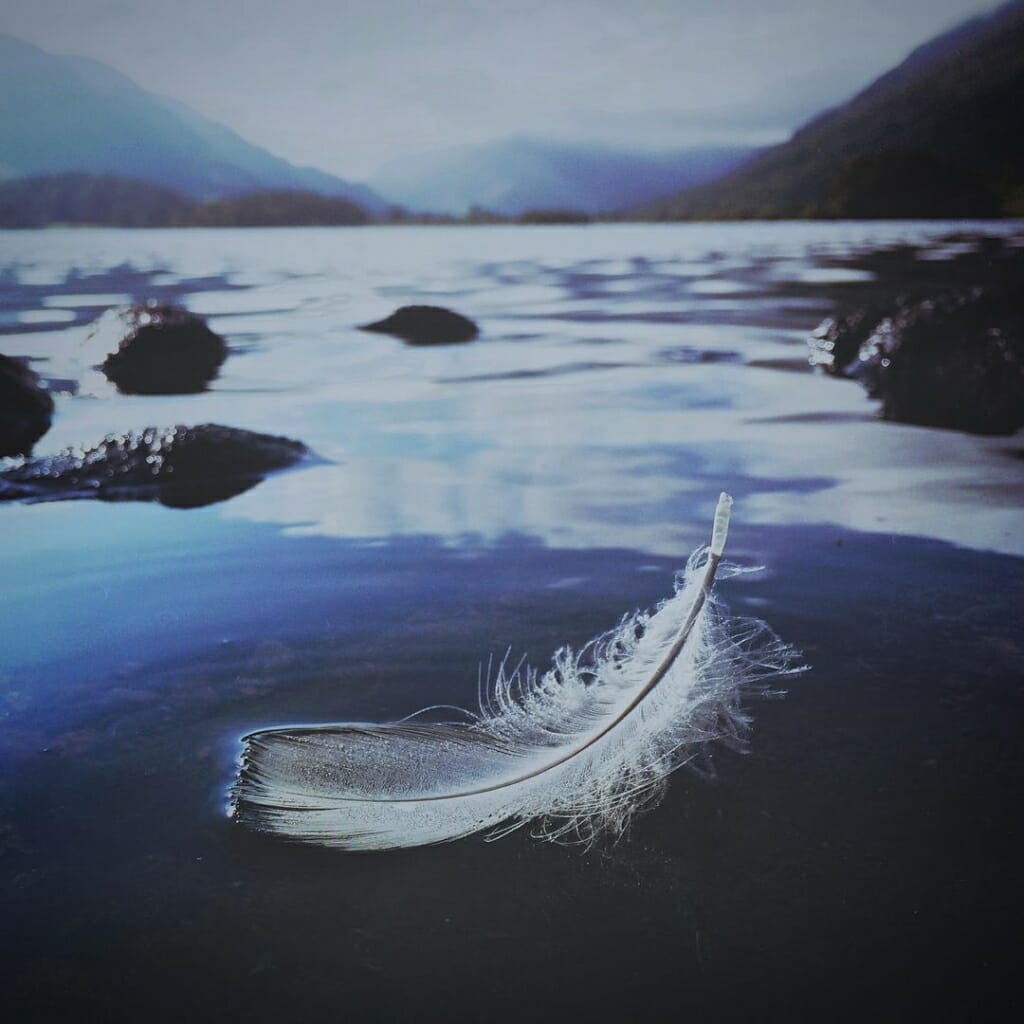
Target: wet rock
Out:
[26,408]
[954,361]
[164,350]
[183,467]
[426,325]
[836,341]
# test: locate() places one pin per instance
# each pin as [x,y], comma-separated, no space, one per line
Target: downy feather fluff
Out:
[574,752]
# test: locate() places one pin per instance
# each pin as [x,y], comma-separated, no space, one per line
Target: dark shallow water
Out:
[861,859]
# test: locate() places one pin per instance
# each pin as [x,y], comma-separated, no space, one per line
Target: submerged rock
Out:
[426,325]
[953,361]
[165,350]
[178,466]
[26,408]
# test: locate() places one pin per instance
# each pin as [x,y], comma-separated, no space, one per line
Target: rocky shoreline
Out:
[947,353]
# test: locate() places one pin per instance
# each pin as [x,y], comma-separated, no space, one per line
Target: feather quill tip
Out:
[720,530]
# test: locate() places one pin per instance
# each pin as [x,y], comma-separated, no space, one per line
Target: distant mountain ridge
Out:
[940,135]
[61,114]
[518,175]
[106,199]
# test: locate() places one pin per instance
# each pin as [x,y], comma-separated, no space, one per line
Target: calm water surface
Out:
[521,491]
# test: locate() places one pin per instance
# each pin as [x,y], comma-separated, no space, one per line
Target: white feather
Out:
[575,751]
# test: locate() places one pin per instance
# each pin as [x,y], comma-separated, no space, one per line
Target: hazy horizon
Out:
[351,90]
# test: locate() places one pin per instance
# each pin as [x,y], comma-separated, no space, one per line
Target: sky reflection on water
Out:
[603,348]
[624,376]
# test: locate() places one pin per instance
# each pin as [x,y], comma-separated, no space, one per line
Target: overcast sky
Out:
[346,85]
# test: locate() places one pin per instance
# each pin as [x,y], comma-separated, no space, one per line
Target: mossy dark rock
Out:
[426,325]
[26,408]
[179,466]
[954,361]
[165,350]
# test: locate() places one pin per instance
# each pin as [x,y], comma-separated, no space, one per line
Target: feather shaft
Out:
[684,633]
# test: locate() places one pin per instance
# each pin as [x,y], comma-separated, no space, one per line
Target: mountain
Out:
[518,175]
[276,208]
[71,114]
[105,199]
[78,198]
[941,135]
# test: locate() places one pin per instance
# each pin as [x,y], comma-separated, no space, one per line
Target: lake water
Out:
[519,492]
